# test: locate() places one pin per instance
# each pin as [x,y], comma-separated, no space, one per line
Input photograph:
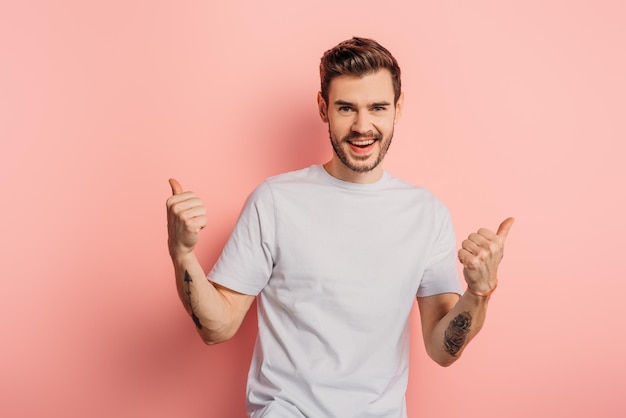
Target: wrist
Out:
[179,253]
[482,294]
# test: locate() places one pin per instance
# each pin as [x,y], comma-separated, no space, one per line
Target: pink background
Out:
[511,109]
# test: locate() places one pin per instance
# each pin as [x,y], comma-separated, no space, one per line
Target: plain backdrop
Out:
[512,109]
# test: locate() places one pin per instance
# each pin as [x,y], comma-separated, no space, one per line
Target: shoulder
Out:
[412,192]
[295,177]
[296,182]
[291,181]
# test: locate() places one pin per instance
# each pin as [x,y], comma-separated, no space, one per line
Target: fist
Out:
[480,255]
[186,216]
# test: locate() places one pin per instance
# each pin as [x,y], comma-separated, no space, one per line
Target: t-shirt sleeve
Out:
[246,262]
[441,274]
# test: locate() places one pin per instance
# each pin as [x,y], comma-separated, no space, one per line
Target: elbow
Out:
[215,337]
[214,340]
[443,358]
[210,341]
[445,361]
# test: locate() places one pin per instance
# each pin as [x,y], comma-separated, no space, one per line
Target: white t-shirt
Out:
[336,267]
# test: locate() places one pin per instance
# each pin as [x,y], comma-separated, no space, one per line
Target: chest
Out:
[351,250]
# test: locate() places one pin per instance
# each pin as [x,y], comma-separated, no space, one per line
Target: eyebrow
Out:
[344,103]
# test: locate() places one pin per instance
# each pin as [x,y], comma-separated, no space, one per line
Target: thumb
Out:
[176,187]
[505,226]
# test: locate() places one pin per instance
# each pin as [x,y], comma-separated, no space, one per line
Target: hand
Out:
[186,216]
[480,255]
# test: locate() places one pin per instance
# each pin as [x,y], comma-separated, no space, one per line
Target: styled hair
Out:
[358,57]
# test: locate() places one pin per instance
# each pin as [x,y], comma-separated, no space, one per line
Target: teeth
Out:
[363,143]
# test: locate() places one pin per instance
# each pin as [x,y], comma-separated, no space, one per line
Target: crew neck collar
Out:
[350,185]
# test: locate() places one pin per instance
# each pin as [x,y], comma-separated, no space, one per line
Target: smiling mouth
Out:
[363,143]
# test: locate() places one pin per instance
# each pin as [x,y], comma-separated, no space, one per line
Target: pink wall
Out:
[510,110]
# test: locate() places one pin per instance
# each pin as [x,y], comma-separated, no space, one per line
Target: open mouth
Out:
[362,143]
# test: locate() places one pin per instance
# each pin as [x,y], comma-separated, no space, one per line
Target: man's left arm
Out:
[448,322]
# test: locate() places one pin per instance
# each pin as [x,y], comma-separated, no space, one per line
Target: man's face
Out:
[361,115]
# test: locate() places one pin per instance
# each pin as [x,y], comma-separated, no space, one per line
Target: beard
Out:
[353,163]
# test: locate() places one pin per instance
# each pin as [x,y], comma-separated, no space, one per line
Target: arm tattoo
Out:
[456,334]
[195,318]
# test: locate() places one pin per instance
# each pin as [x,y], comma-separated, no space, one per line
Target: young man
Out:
[336,255]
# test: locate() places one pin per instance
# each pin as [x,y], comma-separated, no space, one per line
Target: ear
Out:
[399,108]
[323,108]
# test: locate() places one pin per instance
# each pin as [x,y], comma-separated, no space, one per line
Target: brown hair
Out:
[358,57]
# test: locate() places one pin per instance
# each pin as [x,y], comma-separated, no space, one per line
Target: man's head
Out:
[358,57]
[361,100]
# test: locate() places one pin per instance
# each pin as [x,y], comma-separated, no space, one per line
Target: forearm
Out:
[457,328]
[208,308]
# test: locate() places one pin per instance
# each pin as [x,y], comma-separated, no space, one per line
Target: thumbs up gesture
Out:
[186,216]
[480,255]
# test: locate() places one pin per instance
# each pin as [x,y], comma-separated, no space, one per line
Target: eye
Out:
[345,109]
[379,108]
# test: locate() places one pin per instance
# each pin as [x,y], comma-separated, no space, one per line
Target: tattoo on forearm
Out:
[456,334]
[195,318]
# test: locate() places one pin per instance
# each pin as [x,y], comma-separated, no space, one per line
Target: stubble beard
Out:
[384,144]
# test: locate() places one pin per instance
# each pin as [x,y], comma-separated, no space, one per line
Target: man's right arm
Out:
[217,312]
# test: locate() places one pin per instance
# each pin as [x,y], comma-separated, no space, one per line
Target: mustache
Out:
[363,137]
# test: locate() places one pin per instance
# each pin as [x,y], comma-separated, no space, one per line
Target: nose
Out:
[362,123]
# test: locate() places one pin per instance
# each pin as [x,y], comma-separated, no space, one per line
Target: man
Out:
[336,255]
